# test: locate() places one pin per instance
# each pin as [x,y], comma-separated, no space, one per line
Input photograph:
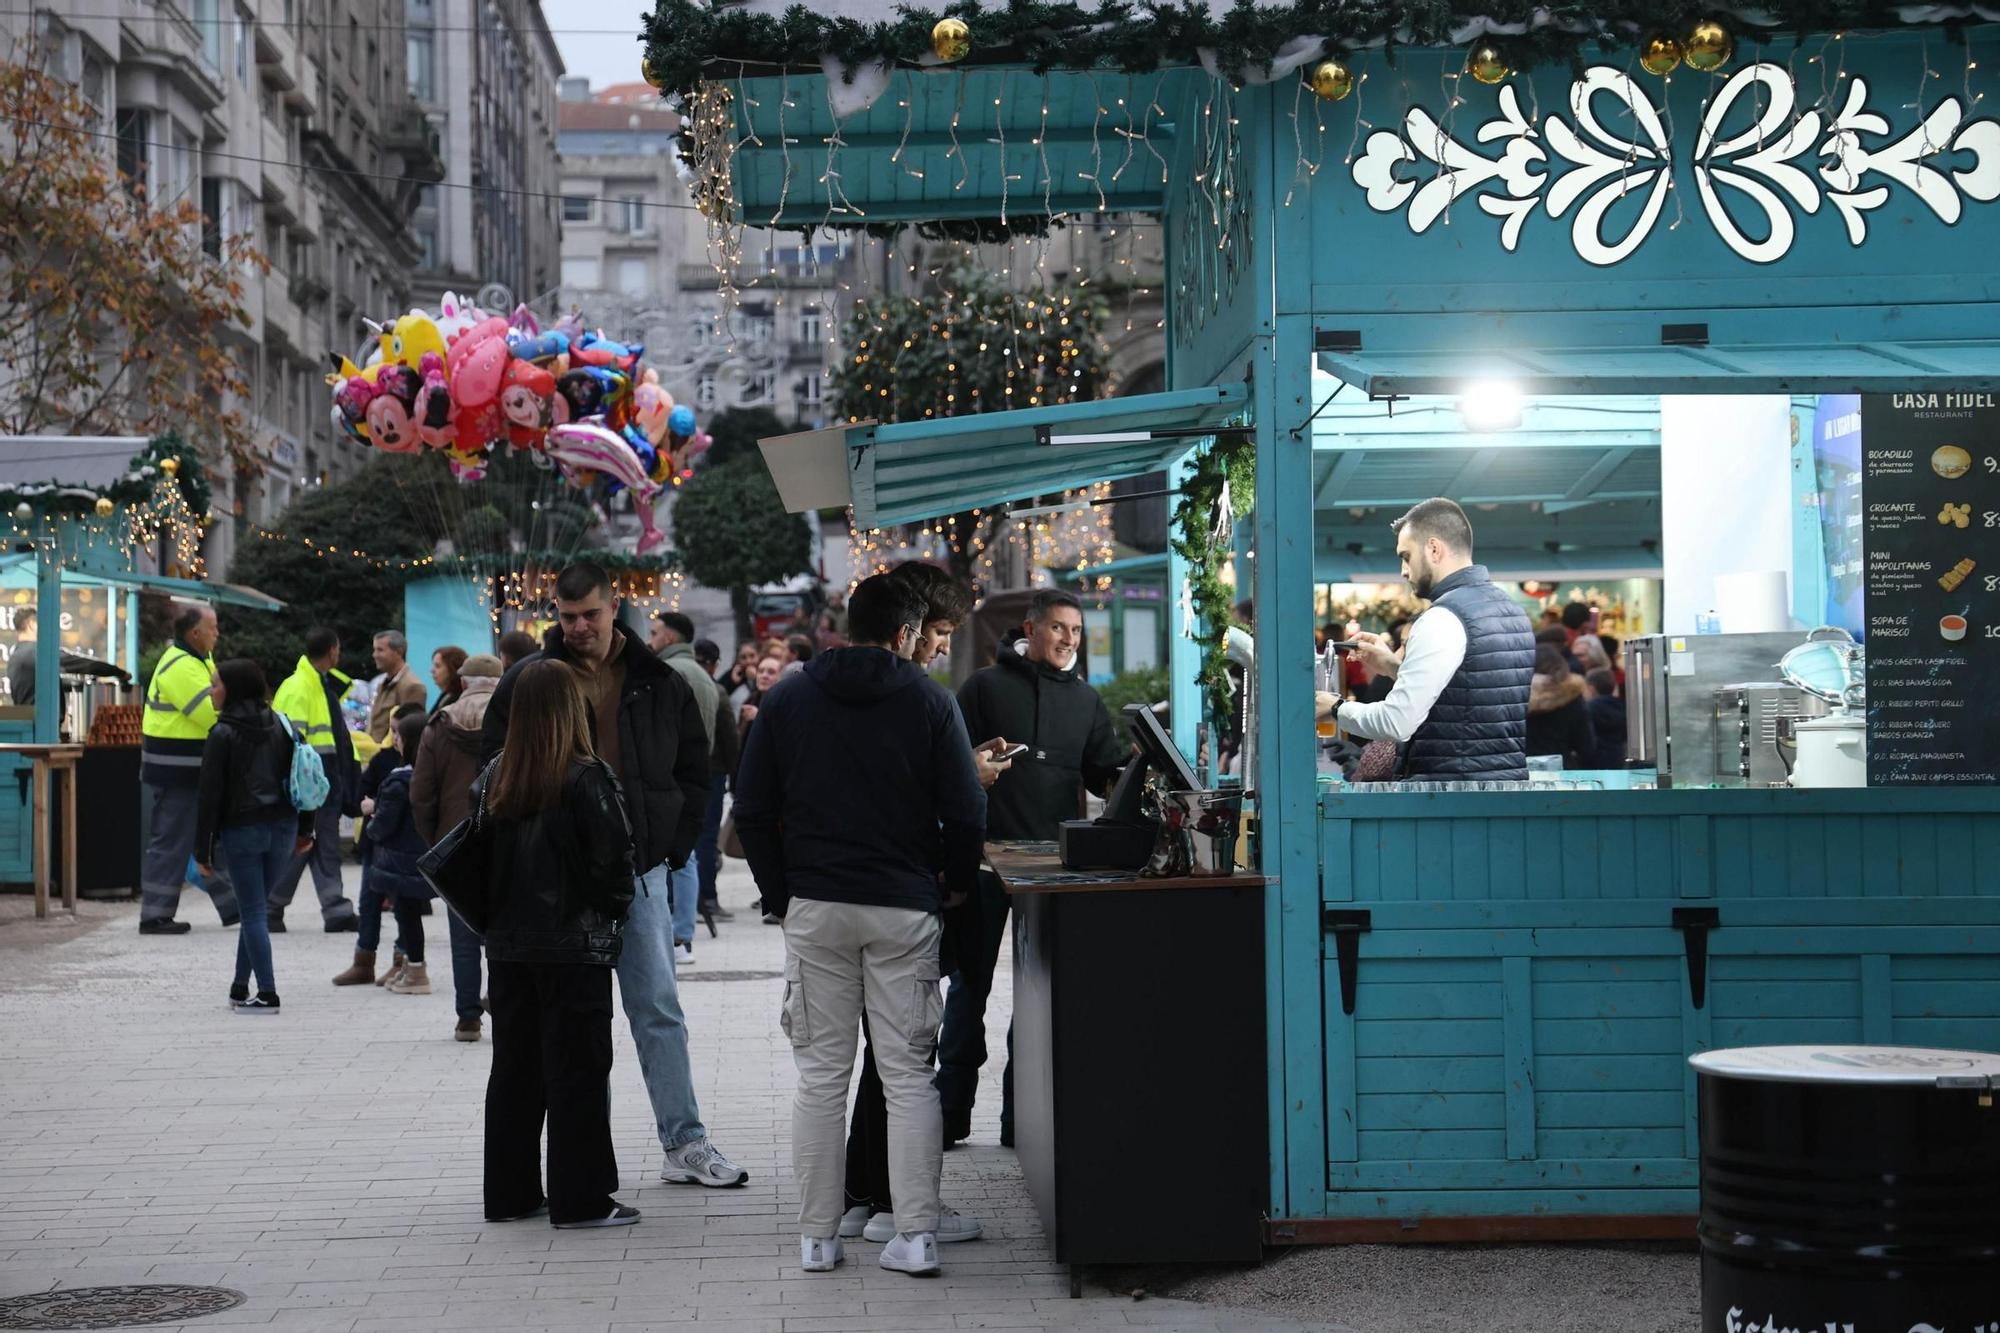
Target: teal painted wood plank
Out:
[1619,872]
[1729,850]
[1443,999]
[1578,867]
[1968,1034]
[1404,1073]
[1843,852]
[1697,1034]
[1786,999]
[1917,842]
[1336,860]
[1881,858]
[1943,999]
[1471,859]
[1343,1079]
[1638,1036]
[1652,859]
[1598,971]
[1507,856]
[1512,1202]
[1457,1038]
[1433,971]
[1593,999]
[1397,1110]
[1877,999]
[1609,1073]
[1694,857]
[1805,857]
[1518,1057]
[1985,851]
[1733,967]
[1431,1145]
[1398,841]
[1947,967]
[1621,1173]
[1786,1031]
[1431,864]
[1584,1144]
[1609,1110]
[1366,846]
[1770,861]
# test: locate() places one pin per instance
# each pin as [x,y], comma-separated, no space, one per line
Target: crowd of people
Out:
[595,769]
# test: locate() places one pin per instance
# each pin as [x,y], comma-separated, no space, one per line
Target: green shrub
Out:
[1146,686]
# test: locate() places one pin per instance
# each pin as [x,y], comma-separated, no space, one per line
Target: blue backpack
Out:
[306,784]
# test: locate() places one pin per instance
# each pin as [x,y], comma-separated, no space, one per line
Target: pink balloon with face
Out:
[476,363]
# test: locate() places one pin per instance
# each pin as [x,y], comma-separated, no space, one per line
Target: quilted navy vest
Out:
[1478,729]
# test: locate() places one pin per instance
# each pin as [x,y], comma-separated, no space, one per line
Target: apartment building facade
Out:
[288,120]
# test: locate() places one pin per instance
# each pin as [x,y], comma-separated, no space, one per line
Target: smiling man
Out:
[1037,699]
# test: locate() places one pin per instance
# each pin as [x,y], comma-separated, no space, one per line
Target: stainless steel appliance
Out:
[1832,751]
[1671,682]
[1751,722]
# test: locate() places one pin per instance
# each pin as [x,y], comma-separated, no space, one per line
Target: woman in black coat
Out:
[1558,718]
[244,813]
[561,846]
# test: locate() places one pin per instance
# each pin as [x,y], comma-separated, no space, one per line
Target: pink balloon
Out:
[476,363]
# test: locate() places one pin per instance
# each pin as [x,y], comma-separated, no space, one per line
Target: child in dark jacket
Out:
[390,846]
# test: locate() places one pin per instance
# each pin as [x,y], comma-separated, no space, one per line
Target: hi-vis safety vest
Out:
[180,710]
[302,698]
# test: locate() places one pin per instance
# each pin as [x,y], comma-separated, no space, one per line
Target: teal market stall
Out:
[1479,1005]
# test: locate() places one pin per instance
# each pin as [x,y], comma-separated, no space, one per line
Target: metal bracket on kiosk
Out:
[1346,928]
[1694,923]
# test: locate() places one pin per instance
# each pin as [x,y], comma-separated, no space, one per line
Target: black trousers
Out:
[551,1061]
[962,1046]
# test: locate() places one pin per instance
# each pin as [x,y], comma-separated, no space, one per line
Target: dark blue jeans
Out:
[708,852]
[257,854]
[464,968]
[962,1045]
[368,935]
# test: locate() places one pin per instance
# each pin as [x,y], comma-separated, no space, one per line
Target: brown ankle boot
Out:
[361,973]
[414,979]
[396,965]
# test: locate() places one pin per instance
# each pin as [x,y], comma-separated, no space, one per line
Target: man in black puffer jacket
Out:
[1039,700]
[647,727]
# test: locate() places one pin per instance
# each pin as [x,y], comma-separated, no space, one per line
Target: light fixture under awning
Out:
[921,469]
[190,590]
[1875,367]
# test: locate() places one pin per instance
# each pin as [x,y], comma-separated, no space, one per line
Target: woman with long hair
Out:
[561,849]
[446,663]
[245,813]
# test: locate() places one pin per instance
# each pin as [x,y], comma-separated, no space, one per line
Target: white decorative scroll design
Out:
[1759,161]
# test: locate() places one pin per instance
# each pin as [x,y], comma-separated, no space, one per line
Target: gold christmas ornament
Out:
[1661,55]
[646,72]
[171,466]
[1488,64]
[951,39]
[104,506]
[1332,80]
[1709,47]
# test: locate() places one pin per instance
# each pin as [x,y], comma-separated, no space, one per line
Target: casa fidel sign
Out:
[1762,158]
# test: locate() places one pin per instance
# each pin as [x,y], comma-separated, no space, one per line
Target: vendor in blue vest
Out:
[1459,705]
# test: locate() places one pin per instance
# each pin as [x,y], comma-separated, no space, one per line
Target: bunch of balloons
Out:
[465,382]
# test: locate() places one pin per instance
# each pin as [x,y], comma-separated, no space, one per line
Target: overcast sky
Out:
[599,39]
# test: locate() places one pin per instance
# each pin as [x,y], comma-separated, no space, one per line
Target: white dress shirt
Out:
[1431,657]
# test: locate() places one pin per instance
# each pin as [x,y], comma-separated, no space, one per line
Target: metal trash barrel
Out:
[1849,1189]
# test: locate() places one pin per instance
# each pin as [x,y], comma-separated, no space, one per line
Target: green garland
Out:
[135,487]
[1231,460]
[685,39]
[614,562]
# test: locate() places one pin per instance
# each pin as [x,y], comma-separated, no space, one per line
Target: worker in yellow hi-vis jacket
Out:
[180,709]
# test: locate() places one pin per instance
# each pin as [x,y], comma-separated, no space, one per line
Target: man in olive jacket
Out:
[1039,700]
[647,726]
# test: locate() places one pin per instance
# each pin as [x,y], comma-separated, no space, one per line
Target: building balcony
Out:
[408,134]
[278,61]
[284,322]
[697,277]
[306,290]
[283,186]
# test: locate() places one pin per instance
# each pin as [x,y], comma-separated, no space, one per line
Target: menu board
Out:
[1931,509]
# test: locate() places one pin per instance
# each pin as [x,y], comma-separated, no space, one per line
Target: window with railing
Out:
[760,388]
[135,148]
[420,45]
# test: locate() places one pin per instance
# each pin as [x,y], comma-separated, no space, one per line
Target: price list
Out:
[1931,524]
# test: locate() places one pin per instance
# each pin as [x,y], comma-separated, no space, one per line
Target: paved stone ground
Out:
[326,1161]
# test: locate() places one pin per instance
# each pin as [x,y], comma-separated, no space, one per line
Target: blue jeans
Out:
[464,968]
[684,887]
[368,935]
[652,1002]
[708,852]
[257,855]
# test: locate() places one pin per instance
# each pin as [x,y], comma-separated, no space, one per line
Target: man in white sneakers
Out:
[857,791]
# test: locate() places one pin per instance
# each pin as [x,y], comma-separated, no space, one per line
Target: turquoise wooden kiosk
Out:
[1479,1004]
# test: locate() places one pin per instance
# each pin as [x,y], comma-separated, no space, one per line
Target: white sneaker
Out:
[819,1256]
[698,1163]
[684,954]
[916,1255]
[854,1222]
[952,1226]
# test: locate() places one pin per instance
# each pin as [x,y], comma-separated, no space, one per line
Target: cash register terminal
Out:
[1122,837]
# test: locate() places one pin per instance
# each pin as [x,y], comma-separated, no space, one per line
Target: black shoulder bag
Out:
[460,866]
